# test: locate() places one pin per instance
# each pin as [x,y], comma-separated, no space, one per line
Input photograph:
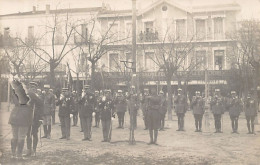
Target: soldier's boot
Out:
[155,137]
[122,123]
[29,146]
[200,126]
[45,131]
[182,124]
[151,136]
[20,146]
[219,127]
[49,132]
[162,128]
[233,126]
[253,127]
[13,147]
[35,142]
[196,125]
[248,127]
[179,125]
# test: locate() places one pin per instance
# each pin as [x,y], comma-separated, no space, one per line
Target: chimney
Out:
[48,9]
[34,9]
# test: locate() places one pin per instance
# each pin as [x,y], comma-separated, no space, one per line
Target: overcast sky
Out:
[250,8]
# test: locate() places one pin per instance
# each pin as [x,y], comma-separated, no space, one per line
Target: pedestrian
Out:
[144,103]
[197,106]
[88,102]
[20,118]
[49,107]
[65,103]
[107,112]
[235,108]
[97,108]
[217,108]
[180,108]
[163,110]
[37,104]
[251,113]
[153,115]
[120,107]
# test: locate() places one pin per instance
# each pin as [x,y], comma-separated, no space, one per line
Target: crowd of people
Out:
[37,107]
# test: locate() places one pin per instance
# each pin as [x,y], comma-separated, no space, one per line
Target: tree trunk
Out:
[52,75]
[93,68]
[169,100]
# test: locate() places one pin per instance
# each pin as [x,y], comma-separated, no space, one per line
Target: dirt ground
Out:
[174,147]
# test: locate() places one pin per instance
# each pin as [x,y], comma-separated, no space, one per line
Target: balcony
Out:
[148,36]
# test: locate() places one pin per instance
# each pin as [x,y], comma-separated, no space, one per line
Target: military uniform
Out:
[180,109]
[217,108]
[133,106]
[235,108]
[163,110]
[88,102]
[120,107]
[197,106]
[144,102]
[75,111]
[37,105]
[97,109]
[251,113]
[107,112]
[65,106]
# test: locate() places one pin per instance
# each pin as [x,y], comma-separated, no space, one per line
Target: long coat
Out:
[133,104]
[153,113]
[197,105]
[120,104]
[65,106]
[235,107]
[107,109]
[180,104]
[217,105]
[251,107]
[36,103]
[88,103]
[49,103]
[21,115]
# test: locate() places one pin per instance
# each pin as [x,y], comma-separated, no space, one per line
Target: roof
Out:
[218,7]
[74,10]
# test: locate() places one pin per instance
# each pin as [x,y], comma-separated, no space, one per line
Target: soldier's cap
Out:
[47,86]
[39,90]
[35,84]
[133,87]
[179,89]
[107,90]
[233,92]
[96,91]
[86,86]
[198,92]
[146,89]
[119,91]
[64,89]
[161,92]
[51,90]
[217,90]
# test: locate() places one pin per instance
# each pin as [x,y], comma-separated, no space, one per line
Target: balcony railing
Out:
[148,36]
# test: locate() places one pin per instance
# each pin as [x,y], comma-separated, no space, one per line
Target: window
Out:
[58,35]
[149,61]
[180,29]
[114,62]
[218,28]
[113,37]
[128,31]
[219,59]
[83,62]
[200,59]
[148,26]
[84,33]
[200,29]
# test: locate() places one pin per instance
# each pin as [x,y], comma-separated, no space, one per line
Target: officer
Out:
[153,115]
[37,105]
[180,108]
[217,108]
[133,105]
[163,109]
[65,102]
[97,108]
[144,102]
[107,112]
[88,102]
[120,107]
[235,108]
[250,112]
[49,107]
[197,105]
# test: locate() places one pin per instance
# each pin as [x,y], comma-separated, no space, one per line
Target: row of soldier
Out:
[104,106]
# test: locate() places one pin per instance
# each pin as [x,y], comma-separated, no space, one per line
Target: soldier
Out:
[75,111]
[53,111]
[217,108]
[88,102]
[133,105]
[180,108]
[107,112]
[49,107]
[153,115]
[163,109]
[37,105]
[65,102]
[97,108]
[144,102]
[235,108]
[250,112]
[120,107]
[197,105]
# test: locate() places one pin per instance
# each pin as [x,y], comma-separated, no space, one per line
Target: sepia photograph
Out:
[129,82]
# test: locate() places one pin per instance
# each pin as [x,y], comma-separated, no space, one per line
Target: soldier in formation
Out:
[251,113]
[144,102]
[98,97]
[163,110]
[120,107]
[197,106]
[75,110]
[180,107]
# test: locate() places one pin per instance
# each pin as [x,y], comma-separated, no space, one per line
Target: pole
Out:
[207,122]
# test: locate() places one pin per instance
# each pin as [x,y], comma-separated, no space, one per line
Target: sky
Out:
[249,8]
